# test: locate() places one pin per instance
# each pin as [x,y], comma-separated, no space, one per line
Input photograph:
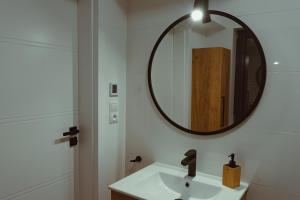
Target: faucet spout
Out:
[187,161]
[190,161]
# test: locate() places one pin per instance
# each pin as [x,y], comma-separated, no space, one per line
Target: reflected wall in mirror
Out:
[207,78]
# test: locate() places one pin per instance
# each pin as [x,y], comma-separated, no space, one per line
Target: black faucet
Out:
[190,160]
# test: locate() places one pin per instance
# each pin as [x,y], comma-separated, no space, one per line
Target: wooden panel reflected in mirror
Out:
[207,78]
[210,88]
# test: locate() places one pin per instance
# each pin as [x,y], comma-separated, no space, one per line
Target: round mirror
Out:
[206,78]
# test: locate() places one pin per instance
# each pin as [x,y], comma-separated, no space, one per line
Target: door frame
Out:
[87,30]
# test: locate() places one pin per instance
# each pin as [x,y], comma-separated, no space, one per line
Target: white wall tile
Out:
[278,33]
[267,143]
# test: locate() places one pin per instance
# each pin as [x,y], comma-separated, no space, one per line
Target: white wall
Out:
[267,145]
[112,68]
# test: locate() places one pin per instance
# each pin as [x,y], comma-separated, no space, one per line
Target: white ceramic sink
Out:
[163,182]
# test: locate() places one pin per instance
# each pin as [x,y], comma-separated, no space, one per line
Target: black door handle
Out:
[73,131]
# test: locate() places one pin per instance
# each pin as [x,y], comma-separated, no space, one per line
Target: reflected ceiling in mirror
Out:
[207,78]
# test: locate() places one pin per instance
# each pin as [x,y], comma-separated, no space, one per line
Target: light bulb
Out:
[276,63]
[197,15]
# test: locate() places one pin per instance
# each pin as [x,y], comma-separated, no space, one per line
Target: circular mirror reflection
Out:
[206,78]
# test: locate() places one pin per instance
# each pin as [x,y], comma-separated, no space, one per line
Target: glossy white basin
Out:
[162,185]
[163,182]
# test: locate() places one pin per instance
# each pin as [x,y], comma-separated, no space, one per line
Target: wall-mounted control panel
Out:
[113,90]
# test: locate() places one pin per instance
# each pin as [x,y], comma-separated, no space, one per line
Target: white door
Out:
[38,92]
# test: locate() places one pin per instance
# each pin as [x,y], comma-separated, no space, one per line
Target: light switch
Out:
[113,112]
[113,118]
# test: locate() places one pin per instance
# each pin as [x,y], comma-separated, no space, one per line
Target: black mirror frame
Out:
[264,72]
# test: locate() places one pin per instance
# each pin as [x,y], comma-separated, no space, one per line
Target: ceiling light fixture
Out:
[197,15]
[200,11]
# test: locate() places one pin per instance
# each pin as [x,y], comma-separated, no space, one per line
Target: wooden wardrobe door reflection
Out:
[210,88]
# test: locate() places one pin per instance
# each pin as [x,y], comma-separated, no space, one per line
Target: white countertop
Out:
[149,183]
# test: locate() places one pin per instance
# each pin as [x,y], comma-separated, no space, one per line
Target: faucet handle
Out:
[190,153]
[137,159]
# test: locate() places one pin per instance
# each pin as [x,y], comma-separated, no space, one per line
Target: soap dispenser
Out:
[231,173]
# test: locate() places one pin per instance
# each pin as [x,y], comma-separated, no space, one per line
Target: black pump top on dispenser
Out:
[232,162]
